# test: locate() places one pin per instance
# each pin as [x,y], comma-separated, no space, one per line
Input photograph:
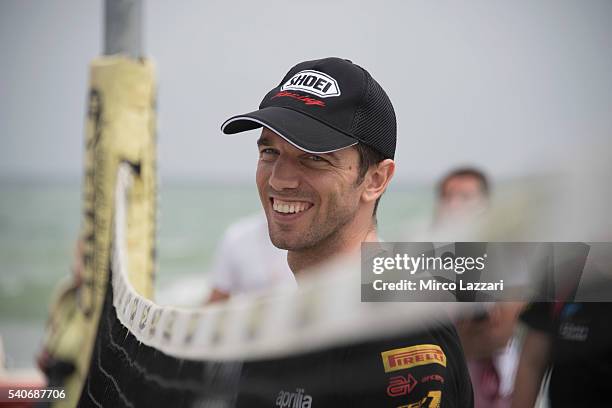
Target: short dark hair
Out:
[368,157]
[465,172]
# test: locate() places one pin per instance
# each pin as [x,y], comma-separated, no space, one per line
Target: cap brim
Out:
[300,130]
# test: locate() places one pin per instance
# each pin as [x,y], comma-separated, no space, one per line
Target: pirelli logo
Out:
[407,357]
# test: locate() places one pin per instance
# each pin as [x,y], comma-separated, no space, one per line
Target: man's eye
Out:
[316,158]
[315,161]
[267,153]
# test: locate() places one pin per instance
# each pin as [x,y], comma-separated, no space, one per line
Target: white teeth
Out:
[287,207]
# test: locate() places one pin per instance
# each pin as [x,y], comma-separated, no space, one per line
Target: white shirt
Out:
[247,261]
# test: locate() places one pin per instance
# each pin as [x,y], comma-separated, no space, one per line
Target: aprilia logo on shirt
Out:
[313,82]
[295,399]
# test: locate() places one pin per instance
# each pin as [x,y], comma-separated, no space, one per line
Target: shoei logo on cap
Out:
[313,82]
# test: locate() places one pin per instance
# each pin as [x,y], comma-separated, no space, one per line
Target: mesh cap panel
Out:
[374,123]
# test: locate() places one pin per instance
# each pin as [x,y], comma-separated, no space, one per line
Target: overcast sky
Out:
[500,84]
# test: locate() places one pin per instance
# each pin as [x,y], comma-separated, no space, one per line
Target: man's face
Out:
[462,196]
[308,198]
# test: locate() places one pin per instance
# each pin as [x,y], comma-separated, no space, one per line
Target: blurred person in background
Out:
[491,348]
[246,260]
[488,337]
[573,341]
[463,195]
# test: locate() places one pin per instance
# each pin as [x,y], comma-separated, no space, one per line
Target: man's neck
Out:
[347,243]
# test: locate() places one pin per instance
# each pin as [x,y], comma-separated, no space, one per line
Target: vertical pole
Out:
[123,28]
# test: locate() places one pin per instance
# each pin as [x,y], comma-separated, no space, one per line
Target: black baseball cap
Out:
[325,105]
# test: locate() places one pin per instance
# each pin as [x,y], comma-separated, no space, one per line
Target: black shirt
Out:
[581,339]
[423,370]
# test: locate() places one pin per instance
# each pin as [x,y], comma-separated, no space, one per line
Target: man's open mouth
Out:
[289,207]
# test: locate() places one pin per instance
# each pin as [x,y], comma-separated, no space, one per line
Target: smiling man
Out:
[326,155]
[319,205]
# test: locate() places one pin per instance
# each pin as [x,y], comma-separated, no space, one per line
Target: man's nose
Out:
[285,174]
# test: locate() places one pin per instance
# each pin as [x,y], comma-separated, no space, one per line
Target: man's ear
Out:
[376,180]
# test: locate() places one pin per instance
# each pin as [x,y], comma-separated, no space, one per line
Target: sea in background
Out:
[39,223]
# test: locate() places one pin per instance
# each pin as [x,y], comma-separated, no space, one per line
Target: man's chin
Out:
[290,241]
[285,243]
[286,236]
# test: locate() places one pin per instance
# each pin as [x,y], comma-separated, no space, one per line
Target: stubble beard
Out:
[319,234]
